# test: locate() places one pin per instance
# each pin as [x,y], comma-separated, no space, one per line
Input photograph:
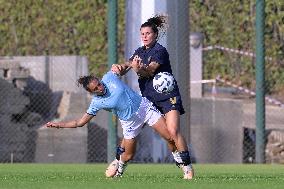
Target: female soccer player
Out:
[147,61]
[133,111]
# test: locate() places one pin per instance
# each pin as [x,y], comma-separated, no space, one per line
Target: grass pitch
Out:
[139,176]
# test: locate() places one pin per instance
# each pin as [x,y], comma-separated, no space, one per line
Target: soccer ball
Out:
[164,82]
[112,168]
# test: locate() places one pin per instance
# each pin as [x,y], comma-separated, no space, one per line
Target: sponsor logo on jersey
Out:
[173,100]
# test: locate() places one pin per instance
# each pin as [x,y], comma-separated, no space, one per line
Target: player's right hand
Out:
[52,124]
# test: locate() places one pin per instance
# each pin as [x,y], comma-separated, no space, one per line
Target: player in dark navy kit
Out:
[147,61]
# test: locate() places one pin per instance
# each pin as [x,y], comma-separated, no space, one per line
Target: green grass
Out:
[138,176]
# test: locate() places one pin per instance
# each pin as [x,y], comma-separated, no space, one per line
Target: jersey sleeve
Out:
[134,54]
[161,56]
[92,110]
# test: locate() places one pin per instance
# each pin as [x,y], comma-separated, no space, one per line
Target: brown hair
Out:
[158,24]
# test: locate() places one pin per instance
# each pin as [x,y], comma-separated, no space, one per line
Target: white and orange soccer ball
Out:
[112,168]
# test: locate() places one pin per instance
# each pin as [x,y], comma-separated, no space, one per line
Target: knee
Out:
[173,132]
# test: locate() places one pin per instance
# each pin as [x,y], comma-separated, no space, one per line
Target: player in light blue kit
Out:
[133,111]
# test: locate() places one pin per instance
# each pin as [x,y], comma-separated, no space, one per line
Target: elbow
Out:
[152,73]
[80,124]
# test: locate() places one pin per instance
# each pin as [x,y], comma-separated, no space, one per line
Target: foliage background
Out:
[51,27]
[71,27]
[232,25]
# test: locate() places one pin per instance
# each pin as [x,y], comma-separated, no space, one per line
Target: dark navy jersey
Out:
[159,54]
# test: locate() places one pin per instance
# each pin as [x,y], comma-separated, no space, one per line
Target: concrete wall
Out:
[17,121]
[64,145]
[58,72]
[216,130]
[50,78]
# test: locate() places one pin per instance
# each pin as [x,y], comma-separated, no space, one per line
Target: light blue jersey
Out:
[119,98]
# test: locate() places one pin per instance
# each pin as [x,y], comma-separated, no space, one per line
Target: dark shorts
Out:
[174,103]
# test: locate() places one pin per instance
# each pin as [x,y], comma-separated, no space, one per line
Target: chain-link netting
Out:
[37,89]
[240,86]
[34,89]
[228,63]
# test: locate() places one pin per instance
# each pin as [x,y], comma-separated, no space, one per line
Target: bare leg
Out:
[182,157]
[173,122]
[161,128]
[130,148]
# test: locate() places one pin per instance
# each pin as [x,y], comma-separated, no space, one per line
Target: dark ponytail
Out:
[158,24]
[85,80]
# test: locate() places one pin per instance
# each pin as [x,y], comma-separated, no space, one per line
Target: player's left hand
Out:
[137,63]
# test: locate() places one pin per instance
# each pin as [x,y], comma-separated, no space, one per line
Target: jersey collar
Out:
[105,90]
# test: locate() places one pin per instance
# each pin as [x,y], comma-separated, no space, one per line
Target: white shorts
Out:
[146,113]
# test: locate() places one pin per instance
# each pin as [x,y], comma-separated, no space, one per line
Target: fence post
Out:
[112,59]
[260,83]
[195,61]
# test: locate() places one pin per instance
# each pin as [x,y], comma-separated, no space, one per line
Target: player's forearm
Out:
[125,68]
[145,72]
[121,69]
[70,124]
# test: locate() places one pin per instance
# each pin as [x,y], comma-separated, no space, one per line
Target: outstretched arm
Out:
[71,124]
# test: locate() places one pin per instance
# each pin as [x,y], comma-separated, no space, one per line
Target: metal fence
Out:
[234,89]
[34,90]
[28,101]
